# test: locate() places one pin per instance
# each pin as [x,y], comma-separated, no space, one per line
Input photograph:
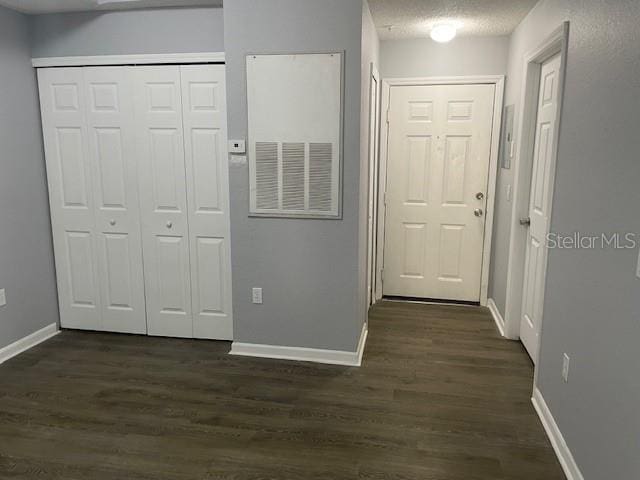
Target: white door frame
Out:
[374,170]
[555,43]
[498,81]
[138,59]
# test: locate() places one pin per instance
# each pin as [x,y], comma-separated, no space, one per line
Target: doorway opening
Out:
[539,124]
[439,156]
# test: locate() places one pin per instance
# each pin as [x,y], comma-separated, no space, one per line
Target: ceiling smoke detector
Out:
[443,32]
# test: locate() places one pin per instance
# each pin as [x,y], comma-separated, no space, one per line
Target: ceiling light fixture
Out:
[443,32]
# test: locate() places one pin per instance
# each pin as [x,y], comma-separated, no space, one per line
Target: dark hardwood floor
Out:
[439,397]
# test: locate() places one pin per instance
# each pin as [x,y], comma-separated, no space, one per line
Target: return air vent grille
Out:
[294,107]
[320,176]
[267,175]
[295,178]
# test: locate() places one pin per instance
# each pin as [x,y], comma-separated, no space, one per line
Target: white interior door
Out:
[163,200]
[438,165]
[91,169]
[62,102]
[207,180]
[109,115]
[539,206]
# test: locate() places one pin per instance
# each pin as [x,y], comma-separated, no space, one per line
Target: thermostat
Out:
[237,146]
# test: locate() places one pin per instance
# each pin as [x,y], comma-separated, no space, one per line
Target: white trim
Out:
[558,443]
[555,43]
[24,344]
[457,80]
[498,81]
[497,317]
[333,357]
[143,59]
[373,161]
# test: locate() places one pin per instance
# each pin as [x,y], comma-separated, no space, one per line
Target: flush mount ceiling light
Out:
[443,32]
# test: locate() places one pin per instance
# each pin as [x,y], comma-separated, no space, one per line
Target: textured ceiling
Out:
[51,6]
[414,18]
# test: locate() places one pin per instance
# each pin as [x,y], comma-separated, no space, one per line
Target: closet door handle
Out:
[169,224]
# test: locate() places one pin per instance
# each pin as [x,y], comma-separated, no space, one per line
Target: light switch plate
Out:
[3,298]
[257,295]
[565,367]
[638,266]
[237,146]
[237,160]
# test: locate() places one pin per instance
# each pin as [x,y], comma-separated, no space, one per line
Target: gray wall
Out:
[591,308]
[309,269]
[26,255]
[422,57]
[174,30]
[370,54]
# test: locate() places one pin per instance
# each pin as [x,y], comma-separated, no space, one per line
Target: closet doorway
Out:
[139,195]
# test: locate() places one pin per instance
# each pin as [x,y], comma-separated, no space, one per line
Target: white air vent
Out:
[267,176]
[320,176]
[295,113]
[293,167]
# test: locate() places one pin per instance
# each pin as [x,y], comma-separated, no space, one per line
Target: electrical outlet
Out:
[257,295]
[3,298]
[565,367]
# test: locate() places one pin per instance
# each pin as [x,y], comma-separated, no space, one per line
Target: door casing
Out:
[498,81]
[555,43]
[374,166]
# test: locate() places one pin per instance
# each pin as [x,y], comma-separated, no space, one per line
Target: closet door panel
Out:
[110,121]
[69,175]
[206,162]
[163,200]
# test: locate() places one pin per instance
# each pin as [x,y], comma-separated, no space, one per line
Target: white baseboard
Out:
[561,448]
[495,313]
[333,357]
[24,344]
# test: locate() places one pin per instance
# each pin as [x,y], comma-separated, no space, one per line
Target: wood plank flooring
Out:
[439,397]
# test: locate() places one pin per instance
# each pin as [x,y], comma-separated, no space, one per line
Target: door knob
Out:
[525,222]
[112,222]
[478,212]
[169,224]
[479,195]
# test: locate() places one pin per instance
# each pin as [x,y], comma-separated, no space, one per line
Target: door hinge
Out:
[388,115]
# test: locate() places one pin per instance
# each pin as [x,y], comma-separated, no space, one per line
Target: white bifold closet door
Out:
[181,132]
[89,144]
[138,180]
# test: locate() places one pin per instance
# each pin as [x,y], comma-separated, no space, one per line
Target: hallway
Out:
[439,396]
